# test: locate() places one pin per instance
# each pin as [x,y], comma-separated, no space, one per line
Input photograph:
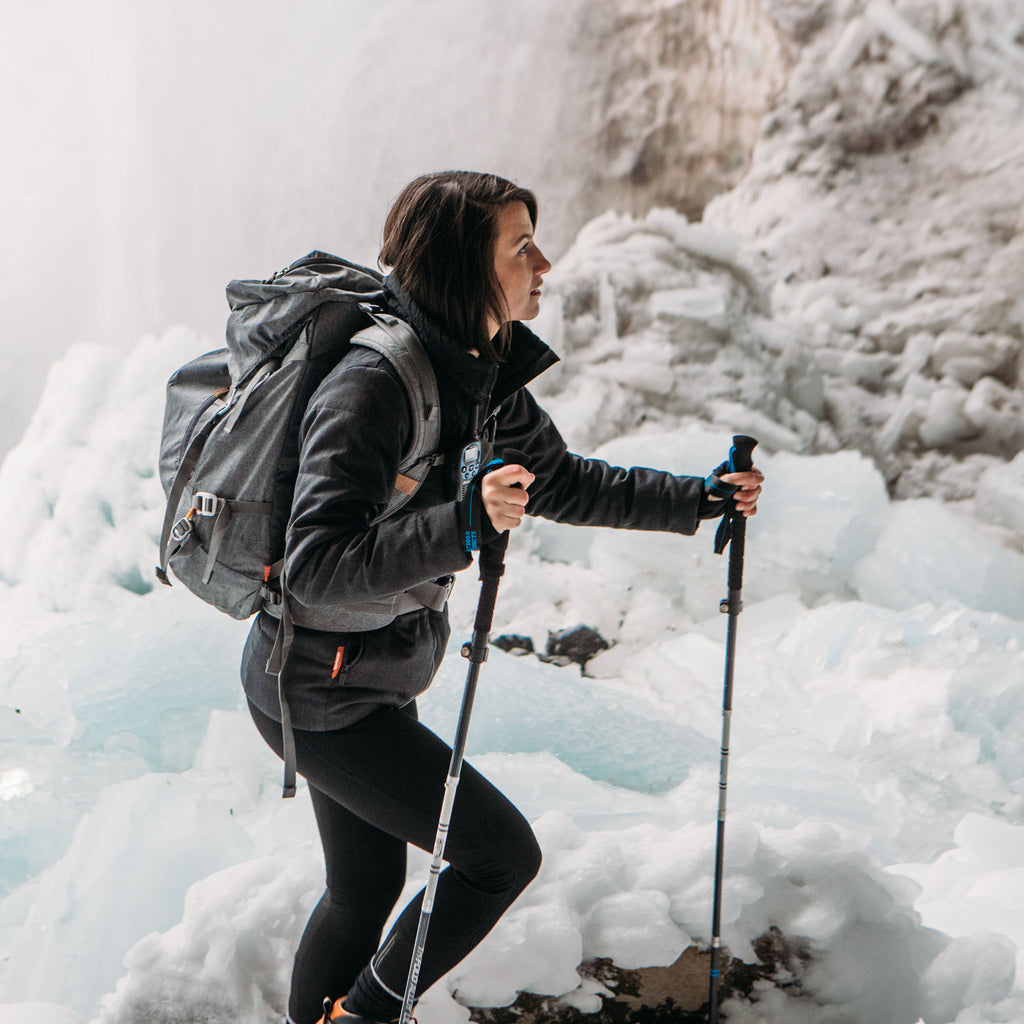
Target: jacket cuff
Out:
[716,494]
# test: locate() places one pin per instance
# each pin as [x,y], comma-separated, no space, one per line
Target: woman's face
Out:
[520,265]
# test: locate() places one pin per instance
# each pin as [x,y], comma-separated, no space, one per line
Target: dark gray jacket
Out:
[355,429]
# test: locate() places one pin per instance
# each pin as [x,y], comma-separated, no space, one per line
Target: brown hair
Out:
[439,239]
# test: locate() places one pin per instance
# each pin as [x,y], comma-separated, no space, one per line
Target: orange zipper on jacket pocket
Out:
[338,659]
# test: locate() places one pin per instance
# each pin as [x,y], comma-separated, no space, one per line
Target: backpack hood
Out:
[267,316]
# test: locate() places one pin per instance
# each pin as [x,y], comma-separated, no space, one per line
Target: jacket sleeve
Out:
[352,440]
[589,492]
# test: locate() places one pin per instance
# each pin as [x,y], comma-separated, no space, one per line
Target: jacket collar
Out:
[528,358]
[468,378]
[472,381]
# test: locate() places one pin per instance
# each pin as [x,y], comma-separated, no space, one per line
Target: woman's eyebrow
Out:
[521,239]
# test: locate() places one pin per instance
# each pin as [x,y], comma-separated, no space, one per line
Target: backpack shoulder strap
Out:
[397,342]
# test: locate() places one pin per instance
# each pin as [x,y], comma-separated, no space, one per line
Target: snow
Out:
[1001,495]
[845,305]
[875,795]
[910,564]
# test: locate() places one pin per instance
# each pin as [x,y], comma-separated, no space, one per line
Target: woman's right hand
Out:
[503,492]
[749,483]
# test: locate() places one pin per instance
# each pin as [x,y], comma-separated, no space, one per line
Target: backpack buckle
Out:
[378,315]
[205,504]
[181,529]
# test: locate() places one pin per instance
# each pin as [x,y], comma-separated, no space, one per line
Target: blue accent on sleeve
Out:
[713,485]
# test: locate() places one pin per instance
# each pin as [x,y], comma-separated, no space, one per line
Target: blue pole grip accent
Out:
[471,539]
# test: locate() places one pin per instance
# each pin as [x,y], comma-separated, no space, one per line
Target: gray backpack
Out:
[229,448]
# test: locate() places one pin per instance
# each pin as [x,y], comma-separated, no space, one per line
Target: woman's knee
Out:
[530,857]
[505,864]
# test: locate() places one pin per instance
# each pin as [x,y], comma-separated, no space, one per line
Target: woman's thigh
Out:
[389,771]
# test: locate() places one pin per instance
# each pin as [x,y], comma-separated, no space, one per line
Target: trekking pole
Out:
[492,566]
[731,532]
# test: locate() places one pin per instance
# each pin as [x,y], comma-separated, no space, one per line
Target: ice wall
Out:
[162,150]
[882,213]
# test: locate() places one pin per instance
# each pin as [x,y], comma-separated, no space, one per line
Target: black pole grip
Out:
[741,457]
[514,457]
[492,554]
[492,557]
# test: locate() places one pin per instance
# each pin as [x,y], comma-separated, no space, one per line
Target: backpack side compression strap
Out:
[180,530]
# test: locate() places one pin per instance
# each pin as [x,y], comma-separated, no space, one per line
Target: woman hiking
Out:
[464,272]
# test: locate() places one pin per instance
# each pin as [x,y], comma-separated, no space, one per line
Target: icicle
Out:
[902,33]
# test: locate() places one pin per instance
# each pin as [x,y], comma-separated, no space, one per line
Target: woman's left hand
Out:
[746,497]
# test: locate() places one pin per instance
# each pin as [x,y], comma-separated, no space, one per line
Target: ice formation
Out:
[882,213]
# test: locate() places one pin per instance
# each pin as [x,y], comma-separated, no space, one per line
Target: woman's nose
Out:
[541,265]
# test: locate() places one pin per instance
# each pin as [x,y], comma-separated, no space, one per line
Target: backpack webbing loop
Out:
[275,666]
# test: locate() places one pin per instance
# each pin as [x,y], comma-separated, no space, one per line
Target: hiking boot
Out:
[339,1013]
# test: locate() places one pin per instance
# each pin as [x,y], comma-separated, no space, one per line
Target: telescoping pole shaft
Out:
[734,534]
[492,566]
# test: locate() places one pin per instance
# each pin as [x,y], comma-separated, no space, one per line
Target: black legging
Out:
[376,786]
